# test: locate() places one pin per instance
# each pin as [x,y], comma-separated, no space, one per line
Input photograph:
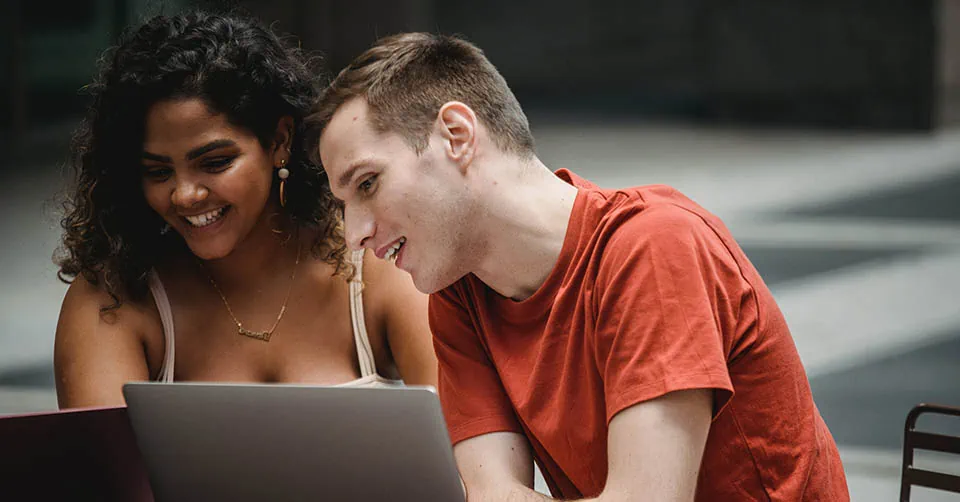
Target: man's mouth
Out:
[391,253]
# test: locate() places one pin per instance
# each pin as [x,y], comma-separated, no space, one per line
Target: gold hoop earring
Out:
[283,173]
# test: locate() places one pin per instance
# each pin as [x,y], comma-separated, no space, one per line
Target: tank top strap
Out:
[166,318]
[364,353]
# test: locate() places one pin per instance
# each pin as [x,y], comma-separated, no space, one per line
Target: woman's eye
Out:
[217,163]
[157,173]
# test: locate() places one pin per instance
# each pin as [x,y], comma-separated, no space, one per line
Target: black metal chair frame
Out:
[917,440]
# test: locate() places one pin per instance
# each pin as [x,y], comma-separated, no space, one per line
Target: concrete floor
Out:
[858,236]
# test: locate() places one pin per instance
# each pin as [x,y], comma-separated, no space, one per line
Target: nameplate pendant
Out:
[263,336]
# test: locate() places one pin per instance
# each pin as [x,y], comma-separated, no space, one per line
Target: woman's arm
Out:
[94,353]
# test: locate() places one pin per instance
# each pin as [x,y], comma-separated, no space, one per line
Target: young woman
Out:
[199,240]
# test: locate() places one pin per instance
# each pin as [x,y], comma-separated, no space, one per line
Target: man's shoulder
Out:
[651,226]
[649,213]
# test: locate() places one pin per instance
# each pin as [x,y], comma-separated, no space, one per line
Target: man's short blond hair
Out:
[406,79]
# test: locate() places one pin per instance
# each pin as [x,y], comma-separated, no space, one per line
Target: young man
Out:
[620,337]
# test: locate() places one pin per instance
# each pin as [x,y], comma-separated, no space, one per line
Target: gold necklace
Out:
[258,335]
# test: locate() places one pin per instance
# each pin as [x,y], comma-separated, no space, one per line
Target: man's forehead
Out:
[346,130]
[352,114]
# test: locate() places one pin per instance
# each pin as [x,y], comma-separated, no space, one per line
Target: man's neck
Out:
[526,214]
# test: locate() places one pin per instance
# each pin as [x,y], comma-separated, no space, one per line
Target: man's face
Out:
[408,208]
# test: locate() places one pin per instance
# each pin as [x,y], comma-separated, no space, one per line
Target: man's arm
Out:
[655,448]
[654,453]
[497,467]
[492,454]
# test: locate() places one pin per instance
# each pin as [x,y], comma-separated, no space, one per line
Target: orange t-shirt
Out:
[650,294]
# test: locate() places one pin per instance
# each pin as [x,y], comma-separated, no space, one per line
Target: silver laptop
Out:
[239,442]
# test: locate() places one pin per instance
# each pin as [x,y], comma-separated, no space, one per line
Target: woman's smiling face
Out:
[207,178]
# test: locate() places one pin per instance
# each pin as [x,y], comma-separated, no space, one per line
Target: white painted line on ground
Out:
[846,233]
[863,313]
[731,173]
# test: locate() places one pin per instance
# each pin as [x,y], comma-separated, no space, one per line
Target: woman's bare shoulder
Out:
[84,297]
[100,344]
[89,308]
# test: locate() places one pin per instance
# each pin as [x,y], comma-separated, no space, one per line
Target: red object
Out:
[650,295]
[87,454]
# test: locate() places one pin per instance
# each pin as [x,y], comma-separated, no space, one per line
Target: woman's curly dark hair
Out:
[238,68]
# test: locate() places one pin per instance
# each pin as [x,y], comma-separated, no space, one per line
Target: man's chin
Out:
[425,289]
[430,285]
[423,285]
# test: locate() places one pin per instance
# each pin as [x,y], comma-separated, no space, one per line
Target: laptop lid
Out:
[245,442]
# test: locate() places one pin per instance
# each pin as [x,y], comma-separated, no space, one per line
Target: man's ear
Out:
[458,128]
[282,139]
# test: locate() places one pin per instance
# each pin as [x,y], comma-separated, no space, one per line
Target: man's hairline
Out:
[363,96]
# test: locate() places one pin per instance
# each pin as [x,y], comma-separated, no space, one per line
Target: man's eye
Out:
[366,186]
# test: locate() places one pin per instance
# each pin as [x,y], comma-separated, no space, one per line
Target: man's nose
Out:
[359,227]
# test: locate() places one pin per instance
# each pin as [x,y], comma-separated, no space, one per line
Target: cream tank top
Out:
[368,368]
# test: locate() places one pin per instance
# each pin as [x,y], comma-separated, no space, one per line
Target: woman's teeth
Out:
[392,252]
[205,219]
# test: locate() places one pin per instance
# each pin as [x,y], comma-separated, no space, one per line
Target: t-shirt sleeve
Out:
[472,396]
[664,278]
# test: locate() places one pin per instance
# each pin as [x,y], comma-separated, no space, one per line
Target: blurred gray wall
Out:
[840,63]
[837,63]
